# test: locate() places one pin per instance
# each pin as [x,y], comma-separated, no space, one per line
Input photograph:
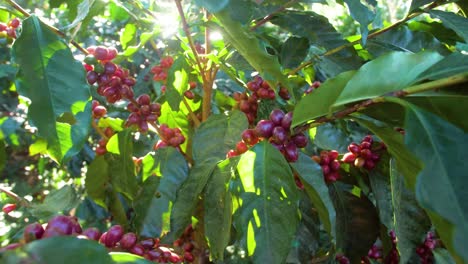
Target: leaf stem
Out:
[418,88]
[17,198]
[191,113]
[98,129]
[54,29]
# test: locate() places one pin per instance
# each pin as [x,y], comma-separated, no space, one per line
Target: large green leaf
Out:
[218,208]
[127,258]
[379,179]
[82,12]
[357,223]
[375,78]
[56,202]
[293,51]
[177,82]
[56,85]
[215,137]
[251,49]
[363,15]
[212,6]
[410,220]
[153,204]
[268,215]
[415,4]
[55,250]
[311,175]
[120,161]
[97,178]
[441,146]
[453,64]
[455,22]
[319,102]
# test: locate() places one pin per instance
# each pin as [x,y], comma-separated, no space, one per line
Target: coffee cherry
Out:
[33,232]
[3,26]
[287,121]
[144,99]
[128,240]
[189,94]
[147,243]
[264,128]
[354,148]
[188,257]
[92,233]
[284,93]
[250,137]
[276,116]
[231,153]
[111,53]
[99,111]
[114,234]
[92,77]
[101,53]
[59,225]
[291,152]
[300,140]
[279,135]
[138,250]
[241,147]
[110,68]
[7,208]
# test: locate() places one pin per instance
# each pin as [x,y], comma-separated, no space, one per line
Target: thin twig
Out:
[54,29]
[98,130]
[17,198]
[191,113]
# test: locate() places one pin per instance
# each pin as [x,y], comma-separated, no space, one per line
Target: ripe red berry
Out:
[349,157]
[284,93]
[189,94]
[14,23]
[192,85]
[111,53]
[241,147]
[354,148]
[250,137]
[231,153]
[7,208]
[110,68]
[128,240]
[144,99]
[287,120]
[92,233]
[59,226]
[114,234]
[300,140]
[33,232]
[3,26]
[99,111]
[101,53]
[291,152]
[264,128]
[279,135]
[188,256]
[276,116]
[138,250]
[365,145]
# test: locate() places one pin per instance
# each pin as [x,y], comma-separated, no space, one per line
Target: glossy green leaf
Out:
[373,79]
[453,64]
[127,258]
[442,256]
[415,4]
[218,208]
[411,222]
[177,83]
[153,204]
[97,178]
[357,223]
[269,192]
[56,85]
[440,145]
[212,6]
[217,135]
[379,179]
[455,22]
[311,175]
[363,15]
[294,51]
[128,35]
[121,166]
[252,50]
[56,202]
[319,102]
[82,12]
[55,250]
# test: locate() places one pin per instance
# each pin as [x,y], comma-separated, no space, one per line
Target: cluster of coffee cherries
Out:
[115,239]
[375,253]
[342,259]
[142,112]
[189,94]
[9,29]
[362,155]
[311,88]
[8,208]
[98,110]
[186,243]
[114,82]
[276,130]
[330,165]
[169,137]
[424,251]
[101,147]
[160,71]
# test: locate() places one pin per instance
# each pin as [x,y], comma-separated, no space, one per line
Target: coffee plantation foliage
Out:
[233,131]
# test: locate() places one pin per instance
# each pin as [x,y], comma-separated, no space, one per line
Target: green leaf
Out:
[373,79]
[252,50]
[363,15]
[56,85]
[440,145]
[268,214]
[312,177]
[379,179]
[7,70]
[404,39]
[177,82]
[118,13]
[187,197]
[217,135]
[55,250]
[127,258]
[442,256]
[319,102]
[455,22]
[3,156]
[121,166]
[97,178]
[128,35]
[411,222]
[153,204]
[293,51]
[218,208]
[415,4]
[82,12]
[453,64]
[212,6]
[357,223]
[56,202]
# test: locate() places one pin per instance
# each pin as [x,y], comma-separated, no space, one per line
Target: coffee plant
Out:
[233,131]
